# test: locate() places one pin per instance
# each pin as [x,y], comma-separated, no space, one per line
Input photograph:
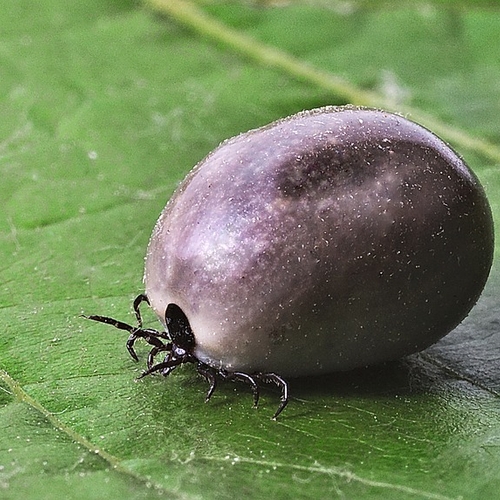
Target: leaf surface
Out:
[105,106]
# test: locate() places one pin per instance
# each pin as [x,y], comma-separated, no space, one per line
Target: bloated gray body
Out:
[333,239]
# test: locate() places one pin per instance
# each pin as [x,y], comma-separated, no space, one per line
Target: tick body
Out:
[333,239]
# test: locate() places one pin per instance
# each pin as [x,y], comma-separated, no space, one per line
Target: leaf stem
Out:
[190,15]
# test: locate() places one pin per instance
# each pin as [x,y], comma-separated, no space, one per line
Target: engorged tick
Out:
[332,239]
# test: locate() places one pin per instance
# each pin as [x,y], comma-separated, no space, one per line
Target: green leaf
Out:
[105,106]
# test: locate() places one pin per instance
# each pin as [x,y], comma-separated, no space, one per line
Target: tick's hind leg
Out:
[244,377]
[210,375]
[282,385]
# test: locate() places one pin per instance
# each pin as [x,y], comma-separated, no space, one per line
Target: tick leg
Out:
[208,373]
[111,321]
[121,326]
[137,302]
[244,377]
[168,366]
[160,347]
[170,363]
[151,336]
[130,346]
[281,383]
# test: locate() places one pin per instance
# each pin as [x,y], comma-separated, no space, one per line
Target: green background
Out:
[105,106]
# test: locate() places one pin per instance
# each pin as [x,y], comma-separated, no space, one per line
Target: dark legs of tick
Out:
[176,357]
[151,336]
[282,385]
[137,303]
[248,379]
[210,375]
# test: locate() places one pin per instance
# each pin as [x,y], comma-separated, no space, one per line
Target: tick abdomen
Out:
[332,239]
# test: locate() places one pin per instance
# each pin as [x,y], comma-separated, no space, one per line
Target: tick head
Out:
[179,329]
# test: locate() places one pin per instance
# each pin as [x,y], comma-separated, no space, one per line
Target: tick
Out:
[332,239]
